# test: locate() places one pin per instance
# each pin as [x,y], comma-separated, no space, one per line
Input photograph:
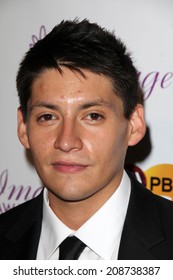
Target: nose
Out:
[68,136]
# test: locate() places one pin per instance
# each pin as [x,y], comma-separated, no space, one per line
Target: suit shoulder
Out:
[11,215]
[165,205]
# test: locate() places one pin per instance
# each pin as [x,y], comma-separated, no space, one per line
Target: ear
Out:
[22,129]
[137,125]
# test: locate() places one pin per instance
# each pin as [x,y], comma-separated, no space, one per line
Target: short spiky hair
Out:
[81,45]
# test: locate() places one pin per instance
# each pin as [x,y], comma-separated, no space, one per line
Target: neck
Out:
[75,213]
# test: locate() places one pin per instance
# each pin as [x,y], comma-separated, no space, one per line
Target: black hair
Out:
[81,45]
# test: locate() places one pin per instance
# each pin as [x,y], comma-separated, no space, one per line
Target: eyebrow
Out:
[44,105]
[86,105]
[98,102]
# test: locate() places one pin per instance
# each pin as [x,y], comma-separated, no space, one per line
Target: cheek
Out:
[93,141]
[113,146]
[39,143]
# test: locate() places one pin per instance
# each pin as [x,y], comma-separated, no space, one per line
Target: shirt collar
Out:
[100,233]
[53,229]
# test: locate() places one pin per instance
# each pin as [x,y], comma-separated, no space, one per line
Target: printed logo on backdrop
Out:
[36,38]
[160,180]
[152,80]
[12,194]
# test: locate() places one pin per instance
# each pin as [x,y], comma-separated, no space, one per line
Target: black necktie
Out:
[71,248]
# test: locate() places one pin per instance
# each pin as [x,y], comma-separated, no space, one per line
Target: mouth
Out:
[69,167]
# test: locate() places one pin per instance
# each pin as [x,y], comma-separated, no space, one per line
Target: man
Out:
[80,109]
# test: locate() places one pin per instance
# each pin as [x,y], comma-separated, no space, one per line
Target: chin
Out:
[73,197]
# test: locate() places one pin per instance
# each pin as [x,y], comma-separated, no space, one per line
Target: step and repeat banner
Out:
[147,29]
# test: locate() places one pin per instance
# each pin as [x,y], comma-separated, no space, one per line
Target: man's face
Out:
[77,134]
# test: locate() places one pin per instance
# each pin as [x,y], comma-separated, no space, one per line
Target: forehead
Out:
[70,87]
[69,78]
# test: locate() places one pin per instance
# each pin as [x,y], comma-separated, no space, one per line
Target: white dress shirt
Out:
[101,233]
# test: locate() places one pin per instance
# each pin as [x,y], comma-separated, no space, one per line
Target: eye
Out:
[46,118]
[94,117]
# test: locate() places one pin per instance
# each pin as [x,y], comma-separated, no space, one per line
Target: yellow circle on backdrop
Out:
[159,180]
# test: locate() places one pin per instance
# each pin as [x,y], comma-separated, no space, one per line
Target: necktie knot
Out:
[71,248]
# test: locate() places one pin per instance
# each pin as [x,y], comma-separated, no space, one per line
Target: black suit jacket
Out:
[147,232]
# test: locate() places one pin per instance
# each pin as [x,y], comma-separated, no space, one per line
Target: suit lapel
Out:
[21,240]
[142,228]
